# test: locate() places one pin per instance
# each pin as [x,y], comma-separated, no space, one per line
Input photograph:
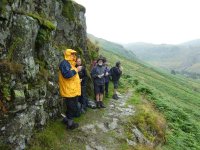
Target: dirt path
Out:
[106,132]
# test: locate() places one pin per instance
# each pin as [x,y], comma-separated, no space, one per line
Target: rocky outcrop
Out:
[32,37]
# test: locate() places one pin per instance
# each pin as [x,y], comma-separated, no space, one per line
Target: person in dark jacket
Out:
[97,74]
[83,77]
[107,74]
[116,74]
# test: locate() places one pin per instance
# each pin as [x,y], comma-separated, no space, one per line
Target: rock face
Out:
[32,37]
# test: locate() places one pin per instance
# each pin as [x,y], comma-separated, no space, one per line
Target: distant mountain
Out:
[181,57]
[194,43]
[112,47]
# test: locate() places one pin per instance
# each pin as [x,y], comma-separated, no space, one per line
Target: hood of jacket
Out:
[68,56]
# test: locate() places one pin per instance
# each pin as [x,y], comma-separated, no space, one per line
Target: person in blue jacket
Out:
[70,86]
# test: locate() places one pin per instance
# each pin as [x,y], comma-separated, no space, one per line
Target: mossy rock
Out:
[92,50]
[19,96]
[43,36]
[43,21]
[3,4]
[17,41]
[43,73]
[5,91]
[70,8]
[60,47]
[4,146]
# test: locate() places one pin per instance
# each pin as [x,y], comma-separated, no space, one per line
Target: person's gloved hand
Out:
[100,76]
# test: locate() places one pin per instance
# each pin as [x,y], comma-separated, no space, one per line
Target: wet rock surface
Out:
[33,35]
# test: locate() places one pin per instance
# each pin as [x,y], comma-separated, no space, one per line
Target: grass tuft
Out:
[147,119]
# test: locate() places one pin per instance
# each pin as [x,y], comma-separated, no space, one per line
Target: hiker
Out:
[70,86]
[83,77]
[116,73]
[107,74]
[97,74]
[93,64]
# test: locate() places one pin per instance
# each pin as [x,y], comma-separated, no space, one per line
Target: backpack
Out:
[111,73]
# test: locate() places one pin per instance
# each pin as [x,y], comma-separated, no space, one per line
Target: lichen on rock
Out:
[33,35]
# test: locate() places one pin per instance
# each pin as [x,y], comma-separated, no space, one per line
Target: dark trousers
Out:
[83,98]
[106,87]
[72,107]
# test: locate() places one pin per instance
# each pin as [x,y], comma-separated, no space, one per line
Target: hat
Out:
[68,53]
[118,63]
[100,58]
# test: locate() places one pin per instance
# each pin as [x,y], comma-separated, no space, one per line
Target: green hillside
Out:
[113,47]
[182,57]
[176,97]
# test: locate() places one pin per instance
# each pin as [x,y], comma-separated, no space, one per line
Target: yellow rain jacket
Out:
[69,81]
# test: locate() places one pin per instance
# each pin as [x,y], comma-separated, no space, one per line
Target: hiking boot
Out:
[98,105]
[65,120]
[83,111]
[102,105]
[115,97]
[73,126]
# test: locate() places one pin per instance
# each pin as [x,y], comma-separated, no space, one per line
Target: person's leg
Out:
[68,102]
[101,96]
[80,98]
[76,107]
[72,107]
[71,104]
[101,92]
[97,97]
[115,90]
[98,100]
[79,106]
[94,90]
[81,102]
[97,93]
[84,97]
[77,112]
[116,87]
[106,89]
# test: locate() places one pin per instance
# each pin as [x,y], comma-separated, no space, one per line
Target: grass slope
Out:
[176,97]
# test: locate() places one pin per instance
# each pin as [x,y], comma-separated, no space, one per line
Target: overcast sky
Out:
[152,21]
